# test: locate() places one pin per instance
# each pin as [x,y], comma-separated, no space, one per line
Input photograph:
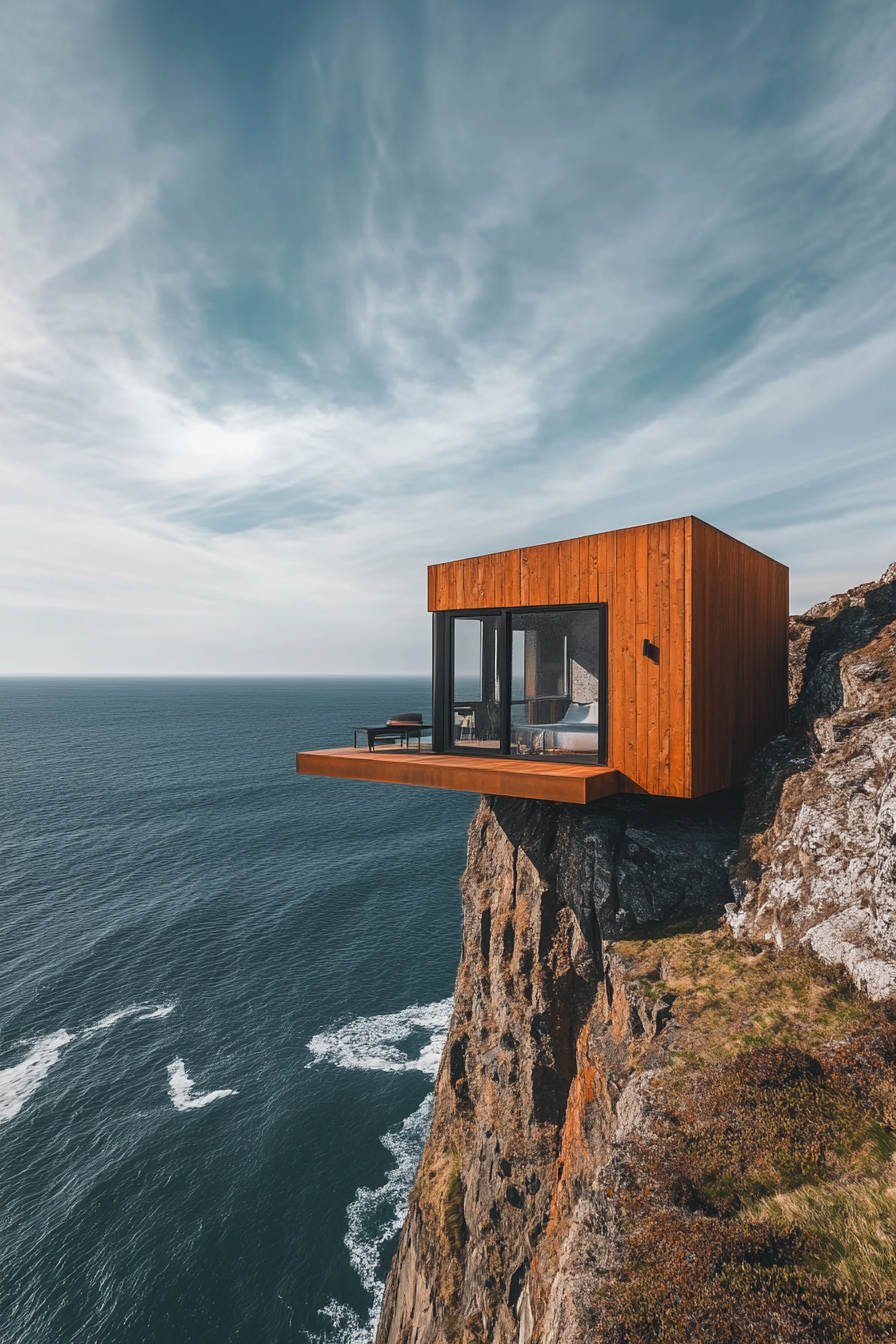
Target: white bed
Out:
[577,731]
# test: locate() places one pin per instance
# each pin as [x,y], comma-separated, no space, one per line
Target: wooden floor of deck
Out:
[552,781]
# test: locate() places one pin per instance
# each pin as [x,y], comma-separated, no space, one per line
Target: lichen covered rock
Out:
[817,859]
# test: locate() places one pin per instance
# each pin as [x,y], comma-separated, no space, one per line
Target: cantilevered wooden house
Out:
[649,660]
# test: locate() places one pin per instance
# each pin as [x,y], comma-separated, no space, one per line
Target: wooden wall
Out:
[740,603]
[716,611]
[642,575]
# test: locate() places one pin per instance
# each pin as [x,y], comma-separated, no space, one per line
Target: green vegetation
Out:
[731,996]
[439,1193]
[453,1216]
[761,1204]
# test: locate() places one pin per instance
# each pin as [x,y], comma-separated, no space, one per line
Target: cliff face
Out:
[622,1075]
[817,860]
[509,1227]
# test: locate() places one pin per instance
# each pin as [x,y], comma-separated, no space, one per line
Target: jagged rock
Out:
[509,1225]
[817,858]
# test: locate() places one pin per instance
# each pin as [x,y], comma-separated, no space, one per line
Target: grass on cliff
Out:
[439,1193]
[731,996]
[761,1203]
[852,1223]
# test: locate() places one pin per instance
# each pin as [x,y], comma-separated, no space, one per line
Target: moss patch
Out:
[439,1193]
[731,996]
[453,1213]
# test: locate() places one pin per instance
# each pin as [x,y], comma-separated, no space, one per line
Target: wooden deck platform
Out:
[552,781]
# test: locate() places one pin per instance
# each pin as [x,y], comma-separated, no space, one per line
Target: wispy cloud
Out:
[288,313]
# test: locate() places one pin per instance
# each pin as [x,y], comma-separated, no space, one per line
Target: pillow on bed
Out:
[586,713]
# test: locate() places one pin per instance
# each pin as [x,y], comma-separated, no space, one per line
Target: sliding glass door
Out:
[476,682]
[556,683]
[524,682]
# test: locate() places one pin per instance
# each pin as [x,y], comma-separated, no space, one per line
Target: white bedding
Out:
[576,731]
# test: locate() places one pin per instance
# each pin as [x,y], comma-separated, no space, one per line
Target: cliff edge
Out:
[817,860]
[648,1128]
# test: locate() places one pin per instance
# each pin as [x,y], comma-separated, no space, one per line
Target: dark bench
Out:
[401,733]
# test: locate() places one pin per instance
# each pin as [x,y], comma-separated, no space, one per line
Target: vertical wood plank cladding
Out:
[642,537]
[715,609]
[571,584]
[542,574]
[642,665]
[606,566]
[656,670]
[626,606]
[442,595]
[739,657]
[663,617]
[679,658]
[525,586]
[602,575]
[485,581]
[513,579]
[587,570]
[701,670]
[455,586]
[470,583]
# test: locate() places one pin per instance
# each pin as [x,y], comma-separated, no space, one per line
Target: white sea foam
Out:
[374,1217]
[164,1010]
[180,1088]
[374,1042]
[144,1012]
[18,1083]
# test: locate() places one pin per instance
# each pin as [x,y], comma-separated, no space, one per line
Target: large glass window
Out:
[555,683]
[522,683]
[476,707]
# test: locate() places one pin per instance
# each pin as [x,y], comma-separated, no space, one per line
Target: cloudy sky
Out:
[297,296]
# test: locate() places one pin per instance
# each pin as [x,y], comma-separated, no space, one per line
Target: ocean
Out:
[225,991]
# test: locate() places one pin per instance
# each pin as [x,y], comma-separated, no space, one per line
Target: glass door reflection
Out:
[555,683]
[476,693]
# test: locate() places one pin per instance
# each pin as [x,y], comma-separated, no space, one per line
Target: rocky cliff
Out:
[643,1125]
[817,860]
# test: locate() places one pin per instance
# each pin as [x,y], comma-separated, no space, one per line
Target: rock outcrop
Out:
[817,860]
[596,966]
[509,1225]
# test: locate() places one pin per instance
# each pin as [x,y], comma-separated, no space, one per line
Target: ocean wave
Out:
[164,1010]
[180,1088]
[23,1079]
[144,1012]
[374,1217]
[374,1042]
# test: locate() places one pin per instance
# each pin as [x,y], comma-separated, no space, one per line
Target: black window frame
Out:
[443,679]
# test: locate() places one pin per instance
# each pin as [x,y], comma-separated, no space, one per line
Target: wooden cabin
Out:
[651,659]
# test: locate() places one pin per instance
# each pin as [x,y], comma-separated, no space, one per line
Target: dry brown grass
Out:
[760,1206]
[438,1191]
[852,1224]
[691,1278]
[731,996]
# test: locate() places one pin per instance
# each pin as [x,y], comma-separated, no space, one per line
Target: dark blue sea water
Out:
[224,994]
